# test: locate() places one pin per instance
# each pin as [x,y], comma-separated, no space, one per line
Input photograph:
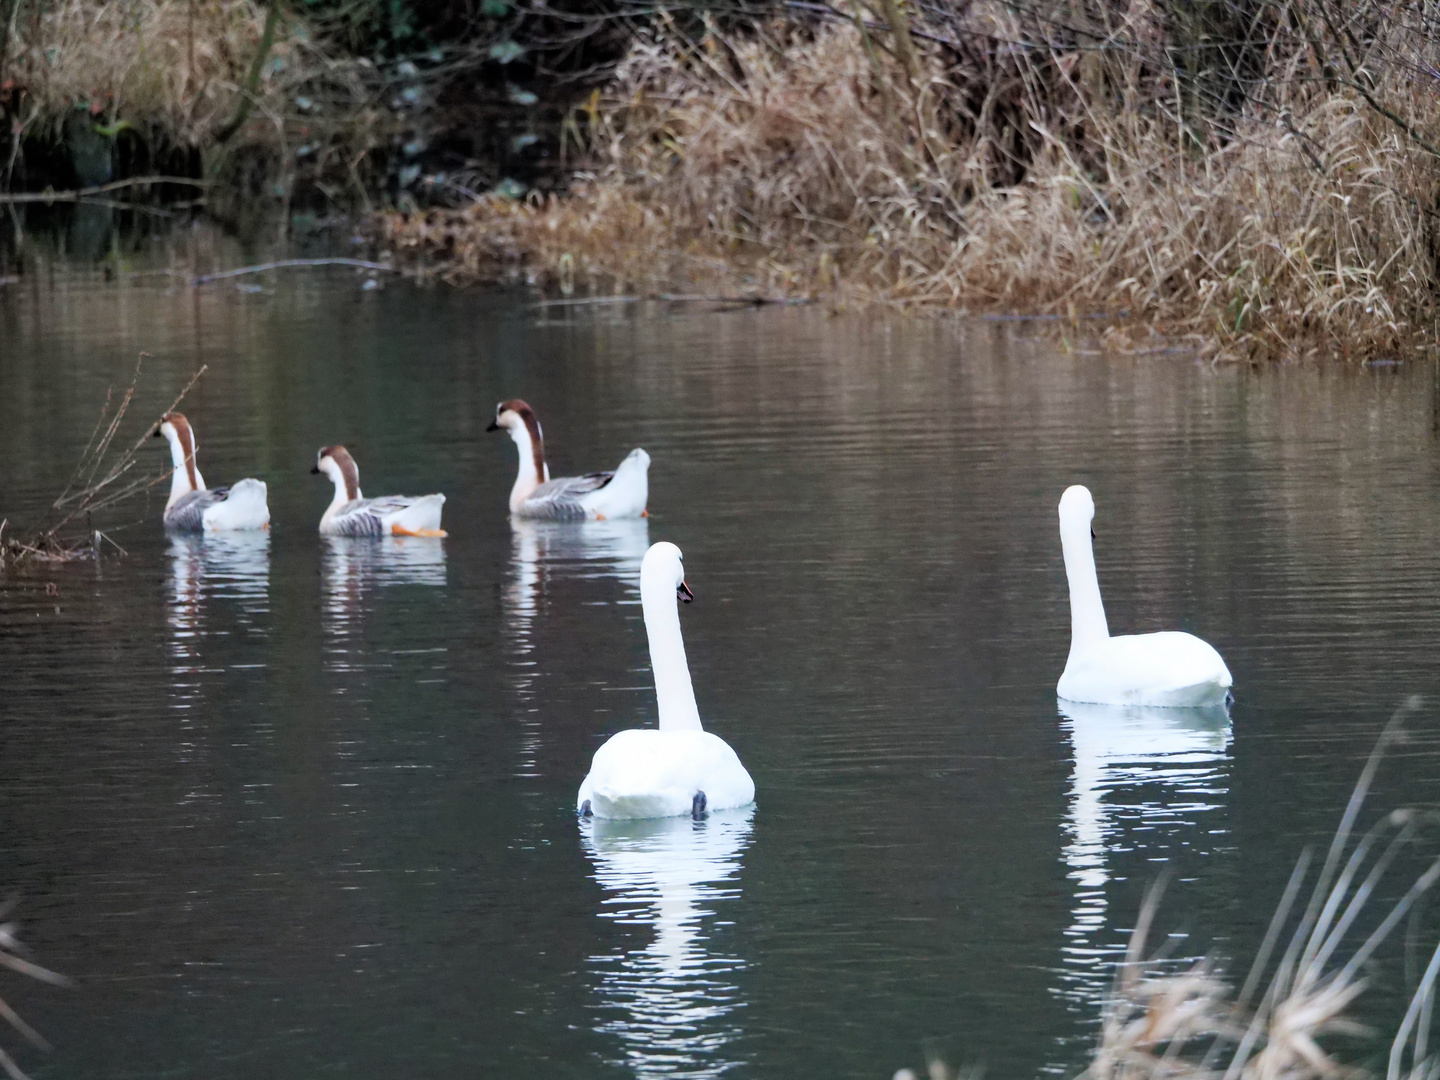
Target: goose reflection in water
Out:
[547,551]
[671,1003]
[356,566]
[232,569]
[1171,769]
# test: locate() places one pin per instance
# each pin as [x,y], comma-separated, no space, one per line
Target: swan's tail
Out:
[628,492]
[245,507]
[420,518]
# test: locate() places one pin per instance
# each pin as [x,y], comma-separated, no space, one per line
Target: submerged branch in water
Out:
[84,494]
[81,194]
[288,264]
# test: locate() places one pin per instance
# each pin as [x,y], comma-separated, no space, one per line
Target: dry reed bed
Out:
[219,77]
[1000,160]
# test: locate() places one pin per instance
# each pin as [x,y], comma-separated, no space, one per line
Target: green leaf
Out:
[495,8]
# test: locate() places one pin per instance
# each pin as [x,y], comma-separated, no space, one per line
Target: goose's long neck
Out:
[673,691]
[347,489]
[533,470]
[185,477]
[1087,611]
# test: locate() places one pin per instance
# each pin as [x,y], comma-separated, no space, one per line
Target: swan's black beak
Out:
[684,593]
[494,426]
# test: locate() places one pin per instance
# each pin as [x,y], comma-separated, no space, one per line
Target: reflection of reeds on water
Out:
[547,550]
[669,1002]
[1177,761]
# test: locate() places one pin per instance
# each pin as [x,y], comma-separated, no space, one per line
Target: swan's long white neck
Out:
[673,691]
[533,469]
[186,475]
[1087,611]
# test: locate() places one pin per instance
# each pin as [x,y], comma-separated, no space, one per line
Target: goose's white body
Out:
[351,514]
[600,496]
[192,507]
[1169,669]
[658,772]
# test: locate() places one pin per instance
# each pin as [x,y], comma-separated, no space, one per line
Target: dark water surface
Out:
[290,808]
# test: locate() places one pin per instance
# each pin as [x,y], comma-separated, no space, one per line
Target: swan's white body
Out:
[192,507]
[1168,669]
[600,496]
[658,772]
[351,514]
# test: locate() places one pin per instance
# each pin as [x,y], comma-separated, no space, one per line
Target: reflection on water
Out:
[670,1004]
[544,552]
[354,567]
[226,567]
[1145,780]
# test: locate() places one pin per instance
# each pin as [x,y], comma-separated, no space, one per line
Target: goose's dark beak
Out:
[684,593]
[157,434]
[494,426]
[316,470]
[1092,532]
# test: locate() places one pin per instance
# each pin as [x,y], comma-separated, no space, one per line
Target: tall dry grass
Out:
[1270,195]
[232,81]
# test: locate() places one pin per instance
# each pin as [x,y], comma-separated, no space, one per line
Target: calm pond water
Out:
[291,808]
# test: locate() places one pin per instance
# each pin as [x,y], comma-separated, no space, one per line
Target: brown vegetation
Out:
[1259,176]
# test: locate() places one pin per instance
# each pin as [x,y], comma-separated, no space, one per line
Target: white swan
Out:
[1170,669]
[351,514]
[601,495]
[194,508]
[678,768]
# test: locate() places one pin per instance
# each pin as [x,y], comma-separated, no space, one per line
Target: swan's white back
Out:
[648,772]
[1169,669]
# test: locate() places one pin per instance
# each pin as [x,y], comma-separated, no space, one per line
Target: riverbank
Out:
[1264,185]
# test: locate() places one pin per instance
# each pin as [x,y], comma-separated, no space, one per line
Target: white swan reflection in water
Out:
[354,567]
[670,1002]
[543,553]
[1146,780]
[219,586]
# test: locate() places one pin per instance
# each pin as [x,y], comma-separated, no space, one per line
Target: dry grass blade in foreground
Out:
[100,482]
[10,950]
[1264,183]
[1160,1023]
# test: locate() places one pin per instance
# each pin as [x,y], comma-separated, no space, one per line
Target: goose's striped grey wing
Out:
[560,499]
[189,513]
[364,517]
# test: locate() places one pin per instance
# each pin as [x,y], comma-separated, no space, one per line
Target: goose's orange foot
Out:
[645,512]
[599,517]
[400,530]
[266,526]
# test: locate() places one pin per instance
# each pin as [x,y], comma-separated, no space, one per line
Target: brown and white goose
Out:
[351,514]
[599,496]
[192,507]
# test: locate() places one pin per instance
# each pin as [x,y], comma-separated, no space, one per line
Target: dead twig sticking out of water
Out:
[94,486]
[10,950]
